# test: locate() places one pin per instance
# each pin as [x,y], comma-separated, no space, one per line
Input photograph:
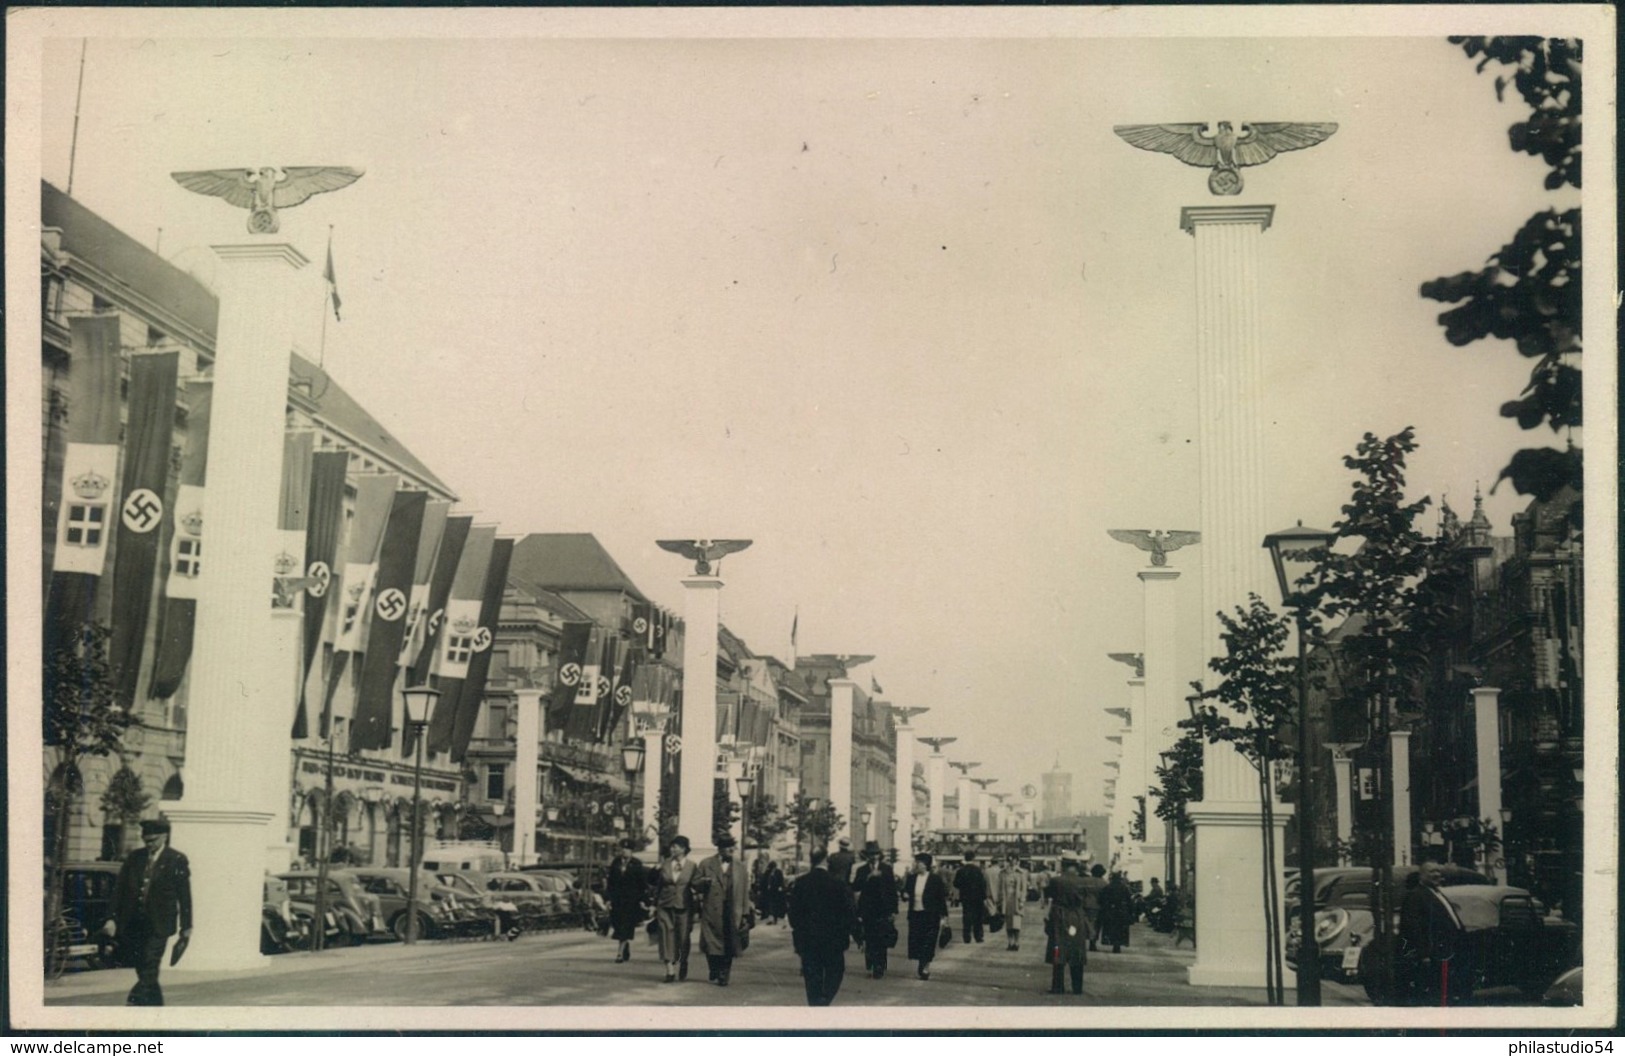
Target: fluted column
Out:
[531,725]
[967,801]
[654,769]
[842,692]
[903,793]
[1234,486]
[1400,743]
[1487,725]
[238,674]
[1163,698]
[936,775]
[1341,760]
[1134,780]
[698,759]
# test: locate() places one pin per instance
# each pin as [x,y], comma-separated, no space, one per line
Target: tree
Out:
[1181,777]
[1259,694]
[125,798]
[81,719]
[764,821]
[1529,292]
[1392,589]
[818,820]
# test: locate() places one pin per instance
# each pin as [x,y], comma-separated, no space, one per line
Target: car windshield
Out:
[462,884]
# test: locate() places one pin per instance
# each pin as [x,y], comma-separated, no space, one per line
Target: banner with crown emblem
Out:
[450,552]
[81,504]
[177,613]
[288,579]
[148,436]
[460,625]
[473,692]
[397,559]
[323,521]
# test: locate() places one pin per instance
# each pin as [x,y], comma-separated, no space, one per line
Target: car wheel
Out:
[398,926]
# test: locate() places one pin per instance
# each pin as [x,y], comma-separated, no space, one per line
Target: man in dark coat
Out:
[721,889]
[877,905]
[152,894]
[971,883]
[1093,886]
[1430,933]
[840,863]
[925,897]
[1116,913]
[627,888]
[1068,925]
[822,920]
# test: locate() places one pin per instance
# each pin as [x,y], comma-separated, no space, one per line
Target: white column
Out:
[936,776]
[1345,798]
[1487,723]
[903,793]
[967,801]
[1400,743]
[531,726]
[698,760]
[1163,700]
[1230,945]
[841,692]
[654,768]
[734,770]
[238,677]
[280,844]
[1134,780]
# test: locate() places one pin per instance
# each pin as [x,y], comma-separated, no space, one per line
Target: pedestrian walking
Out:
[1116,913]
[674,908]
[1012,900]
[822,920]
[841,862]
[774,906]
[627,888]
[1068,926]
[1093,885]
[877,909]
[153,894]
[926,897]
[722,889]
[972,887]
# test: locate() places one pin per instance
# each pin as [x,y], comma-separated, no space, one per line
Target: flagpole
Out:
[78,97]
[327,297]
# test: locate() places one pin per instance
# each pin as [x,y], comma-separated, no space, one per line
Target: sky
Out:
[901,309]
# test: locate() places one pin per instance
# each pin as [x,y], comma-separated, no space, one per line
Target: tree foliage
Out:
[764,821]
[818,820]
[1181,777]
[1529,292]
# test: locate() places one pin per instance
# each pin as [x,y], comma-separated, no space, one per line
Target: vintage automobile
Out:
[441,913]
[87,902]
[356,915]
[545,900]
[281,928]
[1343,920]
[503,911]
[1510,941]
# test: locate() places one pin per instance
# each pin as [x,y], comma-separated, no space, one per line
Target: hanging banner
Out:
[288,580]
[375,696]
[434,528]
[323,521]
[479,666]
[452,542]
[148,435]
[177,611]
[461,622]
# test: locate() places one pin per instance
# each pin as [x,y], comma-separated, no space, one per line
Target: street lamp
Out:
[1299,544]
[419,701]
[891,823]
[866,817]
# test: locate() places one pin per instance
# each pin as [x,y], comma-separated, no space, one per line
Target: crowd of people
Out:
[845,899]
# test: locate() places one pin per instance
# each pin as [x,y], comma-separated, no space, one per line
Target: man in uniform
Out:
[152,895]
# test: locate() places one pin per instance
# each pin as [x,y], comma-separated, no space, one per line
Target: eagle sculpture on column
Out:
[1159,543]
[1226,151]
[703,551]
[262,191]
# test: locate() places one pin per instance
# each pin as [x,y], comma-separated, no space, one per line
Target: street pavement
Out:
[577,968]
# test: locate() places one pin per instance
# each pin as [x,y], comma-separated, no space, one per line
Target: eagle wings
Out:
[1226,150]
[262,192]
[703,551]
[1159,543]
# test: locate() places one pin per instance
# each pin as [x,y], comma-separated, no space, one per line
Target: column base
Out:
[225,845]
[1230,942]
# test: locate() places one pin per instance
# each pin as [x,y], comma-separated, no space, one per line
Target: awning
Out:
[580,776]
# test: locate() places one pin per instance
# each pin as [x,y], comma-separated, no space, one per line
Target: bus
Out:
[1043,846]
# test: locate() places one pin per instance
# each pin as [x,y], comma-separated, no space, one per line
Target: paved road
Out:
[577,968]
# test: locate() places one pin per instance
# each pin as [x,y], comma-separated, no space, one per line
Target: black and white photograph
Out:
[850,519]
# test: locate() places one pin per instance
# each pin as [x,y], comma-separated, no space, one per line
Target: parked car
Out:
[440,913]
[545,900]
[1568,990]
[1510,941]
[357,915]
[281,929]
[503,912]
[1343,920]
[87,903]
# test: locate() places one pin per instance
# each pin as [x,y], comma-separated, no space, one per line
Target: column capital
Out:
[1157,572]
[265,251]
[1193,216]
[702,583]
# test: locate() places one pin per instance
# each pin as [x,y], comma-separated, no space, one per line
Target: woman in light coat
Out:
[674,910]
[1014,883]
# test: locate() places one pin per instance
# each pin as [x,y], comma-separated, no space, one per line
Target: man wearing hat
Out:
[971,883]
[877,905]
[152,894]
[822,921]
[722,894]
[627,886]
[841,862]
[925,896]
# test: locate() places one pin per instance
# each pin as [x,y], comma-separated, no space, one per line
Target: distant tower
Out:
[1057,808]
